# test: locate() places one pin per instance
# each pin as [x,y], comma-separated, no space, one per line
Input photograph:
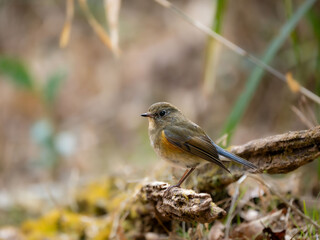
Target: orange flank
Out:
[168,148]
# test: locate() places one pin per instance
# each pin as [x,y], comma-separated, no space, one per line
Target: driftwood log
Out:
[275,154]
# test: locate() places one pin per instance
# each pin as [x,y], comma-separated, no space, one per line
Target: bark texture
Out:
[282,153]
[181,204]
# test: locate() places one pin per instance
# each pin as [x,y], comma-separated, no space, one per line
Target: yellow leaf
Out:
[292,83]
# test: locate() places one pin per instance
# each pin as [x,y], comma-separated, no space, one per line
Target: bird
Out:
[182,143]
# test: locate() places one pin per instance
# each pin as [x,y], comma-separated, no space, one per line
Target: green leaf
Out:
[17,72]
[52,87]
[257,74]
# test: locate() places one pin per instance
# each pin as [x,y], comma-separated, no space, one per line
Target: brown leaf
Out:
[216,231]
[254,228]
[99,30]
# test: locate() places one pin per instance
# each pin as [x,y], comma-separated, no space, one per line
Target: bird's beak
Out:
[147,114]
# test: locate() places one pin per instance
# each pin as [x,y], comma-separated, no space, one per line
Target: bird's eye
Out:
[162,113]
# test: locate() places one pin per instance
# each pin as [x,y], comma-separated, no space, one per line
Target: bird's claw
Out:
[167,191]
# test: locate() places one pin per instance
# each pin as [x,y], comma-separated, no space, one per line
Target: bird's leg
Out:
[185,175]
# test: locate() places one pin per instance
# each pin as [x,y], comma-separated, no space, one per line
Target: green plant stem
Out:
[257,74]
[211,53]
[314,20]
[237,49]
[293,35]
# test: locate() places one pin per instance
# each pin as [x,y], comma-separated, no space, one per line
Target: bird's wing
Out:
[194,143]
[233,157]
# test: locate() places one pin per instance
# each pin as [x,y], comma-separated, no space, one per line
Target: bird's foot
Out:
[167,191]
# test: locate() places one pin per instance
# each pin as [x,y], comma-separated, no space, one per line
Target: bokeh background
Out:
[72,114]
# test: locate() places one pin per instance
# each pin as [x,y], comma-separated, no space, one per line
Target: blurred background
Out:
[70,112]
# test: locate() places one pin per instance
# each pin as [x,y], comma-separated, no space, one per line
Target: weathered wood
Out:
[282,153]
[181,204]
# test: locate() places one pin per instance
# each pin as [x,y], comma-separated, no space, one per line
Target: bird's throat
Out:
[152,131]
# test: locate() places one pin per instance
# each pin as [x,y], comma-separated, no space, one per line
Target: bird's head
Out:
[162,114]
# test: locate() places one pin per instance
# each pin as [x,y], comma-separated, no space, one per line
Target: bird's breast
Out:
[173,154]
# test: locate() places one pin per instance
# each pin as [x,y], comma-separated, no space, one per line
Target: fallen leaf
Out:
[271,235]
[216,231]
[255,228]
[250,215]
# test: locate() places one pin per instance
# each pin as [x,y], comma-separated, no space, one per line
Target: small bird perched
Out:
[183,143]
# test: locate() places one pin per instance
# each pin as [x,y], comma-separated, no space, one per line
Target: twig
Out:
[294,208]
[236,48]
[288,213]
[302,117]
[161,223]
[232,207]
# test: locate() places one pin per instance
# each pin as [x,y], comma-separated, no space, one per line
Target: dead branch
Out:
[181,204]
[275,154]
[282,153]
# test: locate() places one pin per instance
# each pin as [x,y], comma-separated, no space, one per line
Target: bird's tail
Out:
[233,157]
